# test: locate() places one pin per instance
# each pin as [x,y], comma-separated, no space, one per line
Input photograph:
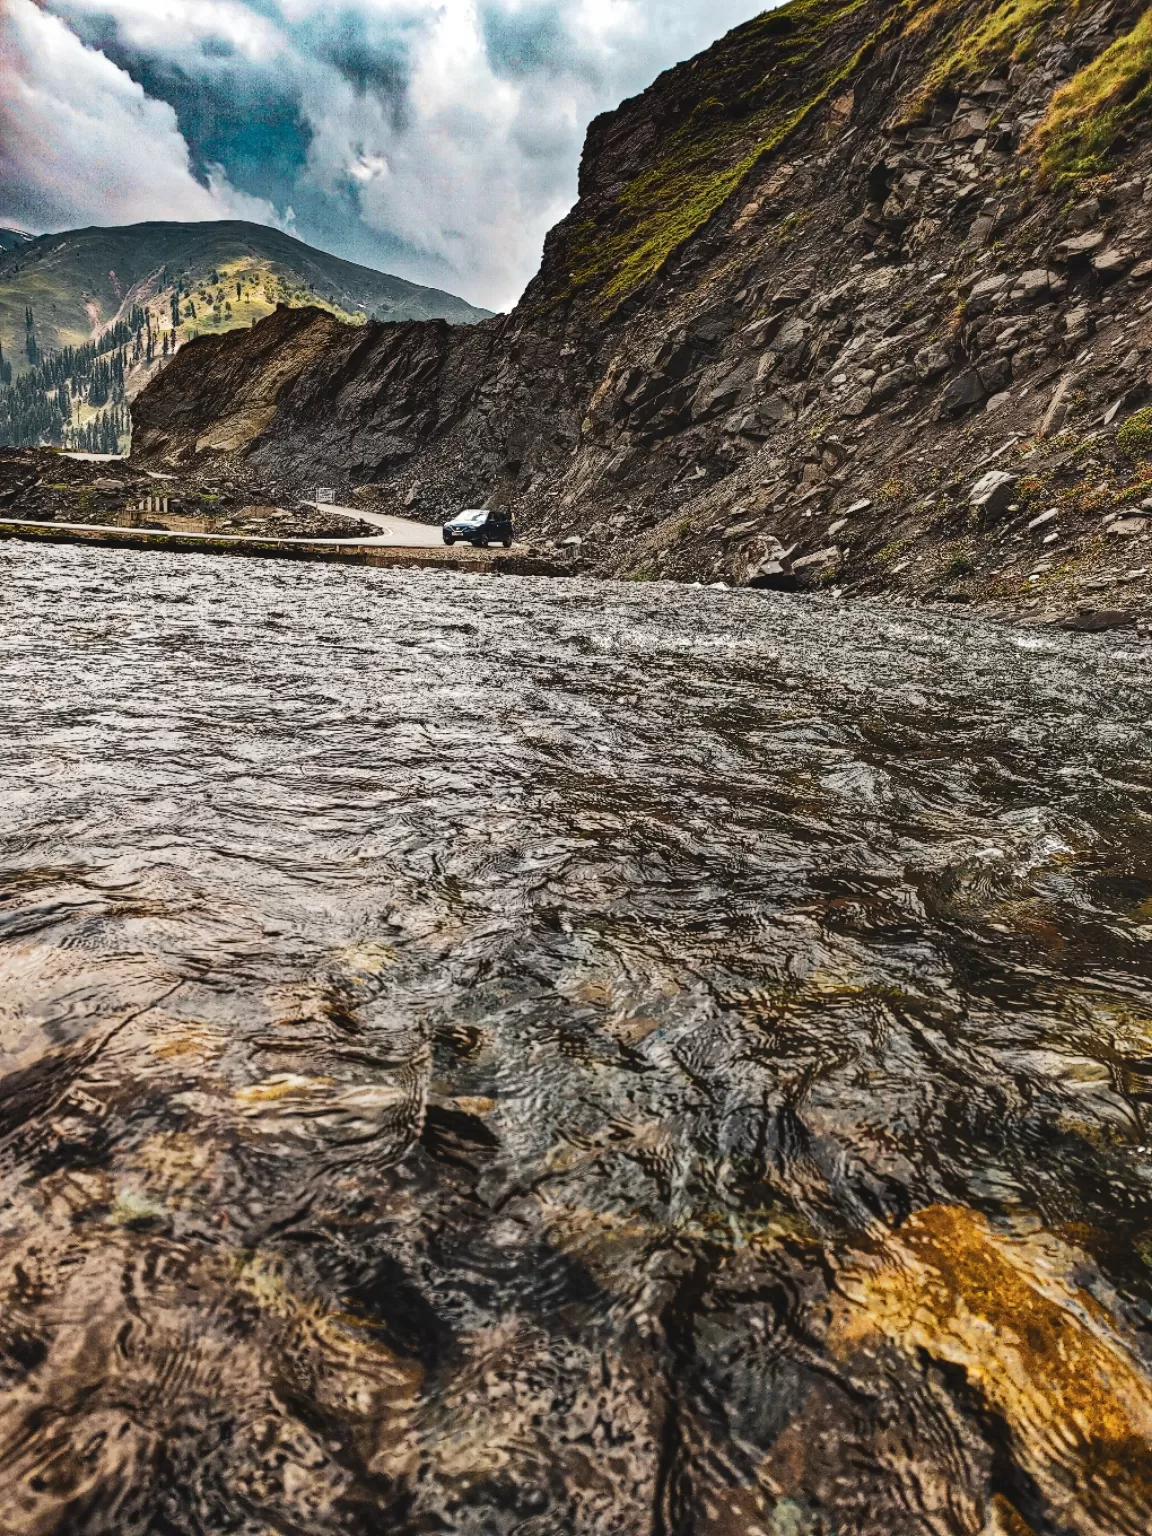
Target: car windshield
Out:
[470,517]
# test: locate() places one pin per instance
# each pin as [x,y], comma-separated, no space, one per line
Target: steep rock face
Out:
[815,278]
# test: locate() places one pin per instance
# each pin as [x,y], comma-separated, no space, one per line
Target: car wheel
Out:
[507,543]
[482,541]
[448,539]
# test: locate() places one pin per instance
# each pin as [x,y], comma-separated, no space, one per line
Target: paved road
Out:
[379,541]
[393,530]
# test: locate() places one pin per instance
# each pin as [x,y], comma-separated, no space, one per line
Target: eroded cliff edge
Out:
[820,281]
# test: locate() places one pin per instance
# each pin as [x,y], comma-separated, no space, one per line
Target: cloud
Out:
[438,139]
[81,143]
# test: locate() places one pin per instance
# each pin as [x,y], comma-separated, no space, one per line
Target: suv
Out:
[480,527]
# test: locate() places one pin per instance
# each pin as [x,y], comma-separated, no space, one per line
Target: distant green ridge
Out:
[62,296]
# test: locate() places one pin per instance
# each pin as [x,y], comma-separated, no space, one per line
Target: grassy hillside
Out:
[62,298]
[720,114]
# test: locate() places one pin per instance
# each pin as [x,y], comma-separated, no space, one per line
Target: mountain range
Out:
[138,292]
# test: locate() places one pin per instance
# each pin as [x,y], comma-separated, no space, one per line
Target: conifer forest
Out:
[45,403]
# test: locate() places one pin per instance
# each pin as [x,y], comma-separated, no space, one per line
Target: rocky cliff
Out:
[860,296]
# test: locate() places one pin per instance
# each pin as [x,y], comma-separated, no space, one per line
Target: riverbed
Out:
[513,1058]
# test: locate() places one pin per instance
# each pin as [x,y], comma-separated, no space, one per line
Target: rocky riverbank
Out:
[48,497]
[54,488]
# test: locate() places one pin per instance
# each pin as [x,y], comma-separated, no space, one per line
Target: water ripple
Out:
[506,1056]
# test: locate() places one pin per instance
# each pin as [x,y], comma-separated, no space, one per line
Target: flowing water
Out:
[494,1056]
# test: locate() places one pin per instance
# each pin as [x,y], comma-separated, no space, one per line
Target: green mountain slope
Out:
[111,305]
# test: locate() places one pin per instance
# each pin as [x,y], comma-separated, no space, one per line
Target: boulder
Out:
[1078,325]
[1113,262]
[890,384]
[819,561]
[720,388]
[932,362]
[675,360]
[1037,286]
[1079,247]
[970,123]
[996,374]
[993,493]
[1085,213]
[1058,406]
[1094,621]
[982,297]
[961,393]
[758,419]
[775,409]
[774,575]
[857,402]
[792,335]
[791,294]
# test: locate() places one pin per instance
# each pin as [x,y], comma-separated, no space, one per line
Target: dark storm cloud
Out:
[372,57]
[239,119]
[232,114]
[529,42]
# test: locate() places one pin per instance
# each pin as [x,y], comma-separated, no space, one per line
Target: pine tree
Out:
[38,408]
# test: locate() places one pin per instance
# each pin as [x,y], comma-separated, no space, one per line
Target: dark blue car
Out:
[480,527]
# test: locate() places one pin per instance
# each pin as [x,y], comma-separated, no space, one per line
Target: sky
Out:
[438,141]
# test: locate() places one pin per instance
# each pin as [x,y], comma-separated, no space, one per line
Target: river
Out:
[515,1058]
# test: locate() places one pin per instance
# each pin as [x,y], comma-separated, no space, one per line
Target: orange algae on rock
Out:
[1040,1352]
